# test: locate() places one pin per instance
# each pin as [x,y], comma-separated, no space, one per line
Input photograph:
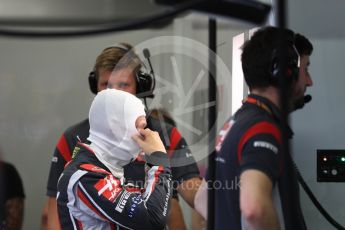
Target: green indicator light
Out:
[343,159]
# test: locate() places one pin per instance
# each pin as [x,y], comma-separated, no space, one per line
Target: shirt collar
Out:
[270,108]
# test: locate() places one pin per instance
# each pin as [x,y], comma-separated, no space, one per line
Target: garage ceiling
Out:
[314,18]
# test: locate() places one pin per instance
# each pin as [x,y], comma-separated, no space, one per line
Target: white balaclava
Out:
[112,119]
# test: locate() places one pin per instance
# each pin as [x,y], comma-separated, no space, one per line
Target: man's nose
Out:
[309,81]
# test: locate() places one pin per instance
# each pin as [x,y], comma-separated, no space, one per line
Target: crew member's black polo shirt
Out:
[252,139]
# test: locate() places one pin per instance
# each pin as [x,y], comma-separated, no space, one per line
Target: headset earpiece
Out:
[93,82]
[145,84]
[292,68]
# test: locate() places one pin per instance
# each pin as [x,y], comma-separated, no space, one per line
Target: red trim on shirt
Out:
[79,224]
[63,148]
[155,179]
[263,127]
[175,138]
[132,189]
[94,168]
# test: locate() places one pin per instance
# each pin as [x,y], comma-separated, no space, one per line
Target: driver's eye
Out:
[123,85]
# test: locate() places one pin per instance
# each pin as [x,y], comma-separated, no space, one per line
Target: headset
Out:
[145,82]
[292,67]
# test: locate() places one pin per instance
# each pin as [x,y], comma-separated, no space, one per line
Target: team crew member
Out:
[249,147]
[186,176]
[12,197]
[92,192]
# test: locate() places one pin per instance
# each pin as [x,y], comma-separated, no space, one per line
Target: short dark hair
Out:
[258,53]
[303,45]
